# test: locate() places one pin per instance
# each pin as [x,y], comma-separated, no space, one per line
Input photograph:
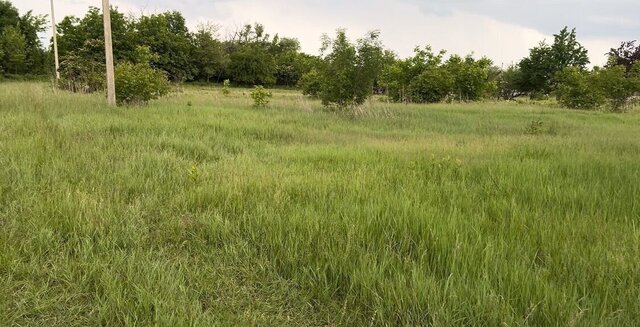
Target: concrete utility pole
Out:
[108,49]
[55,40]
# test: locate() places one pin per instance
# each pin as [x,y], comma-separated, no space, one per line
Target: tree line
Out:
[344,75]
[21,52]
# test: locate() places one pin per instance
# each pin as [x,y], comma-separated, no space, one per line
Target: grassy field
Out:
[202,211]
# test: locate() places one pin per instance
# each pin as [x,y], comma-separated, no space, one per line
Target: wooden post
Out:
[108,49]
[55,40]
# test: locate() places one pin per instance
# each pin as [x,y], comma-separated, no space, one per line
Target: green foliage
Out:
[168,36]
[587,90]
[75,32]
[31,26]
[14,47]
[226,87]
[311,83]
[261,97]
[209,57]
[545,61]
[9,15]
[350,70]
[137,84]
[426,78]
[398,76]
[509,82]
[537,70]
[578,89]
[252,64]
[290,64]
[471,80]
[20,47]
[83,70]
[433,85]
[618,86]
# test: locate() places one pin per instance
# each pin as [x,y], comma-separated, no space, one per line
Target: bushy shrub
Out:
[617,86]
[83,72]
[261,97]
[310,83]
[433,85]
[226,87]
[137,84]
[471,80]
[508,83]
[398,75]
[578,89]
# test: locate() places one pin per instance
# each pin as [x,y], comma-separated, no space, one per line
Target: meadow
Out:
[200,210]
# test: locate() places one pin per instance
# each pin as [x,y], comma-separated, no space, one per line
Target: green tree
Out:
[257,58]
[397,76]
[537,70]
[74,33]
[15,50]
[578,89]
[618,86]
[350,70]
[21,47]
[9,15]
[209,57]
[252,64]
[545,61]
[35,56]
[431,86]
[470,77]
[290,66]
[83,69]
[167,35]
[310,83]
[509,83]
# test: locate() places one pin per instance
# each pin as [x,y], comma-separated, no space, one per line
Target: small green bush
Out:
[261,97]
[137,84]
[226,87]
[310,83]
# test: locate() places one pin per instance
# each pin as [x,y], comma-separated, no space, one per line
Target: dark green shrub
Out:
[310,83]
[433,85]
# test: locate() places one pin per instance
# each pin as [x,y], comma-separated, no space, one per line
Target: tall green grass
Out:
[200,210]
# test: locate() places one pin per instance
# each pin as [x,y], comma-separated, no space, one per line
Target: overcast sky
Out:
[503,30]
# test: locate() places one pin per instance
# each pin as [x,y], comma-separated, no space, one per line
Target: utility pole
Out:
[108,49]
[55,40]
